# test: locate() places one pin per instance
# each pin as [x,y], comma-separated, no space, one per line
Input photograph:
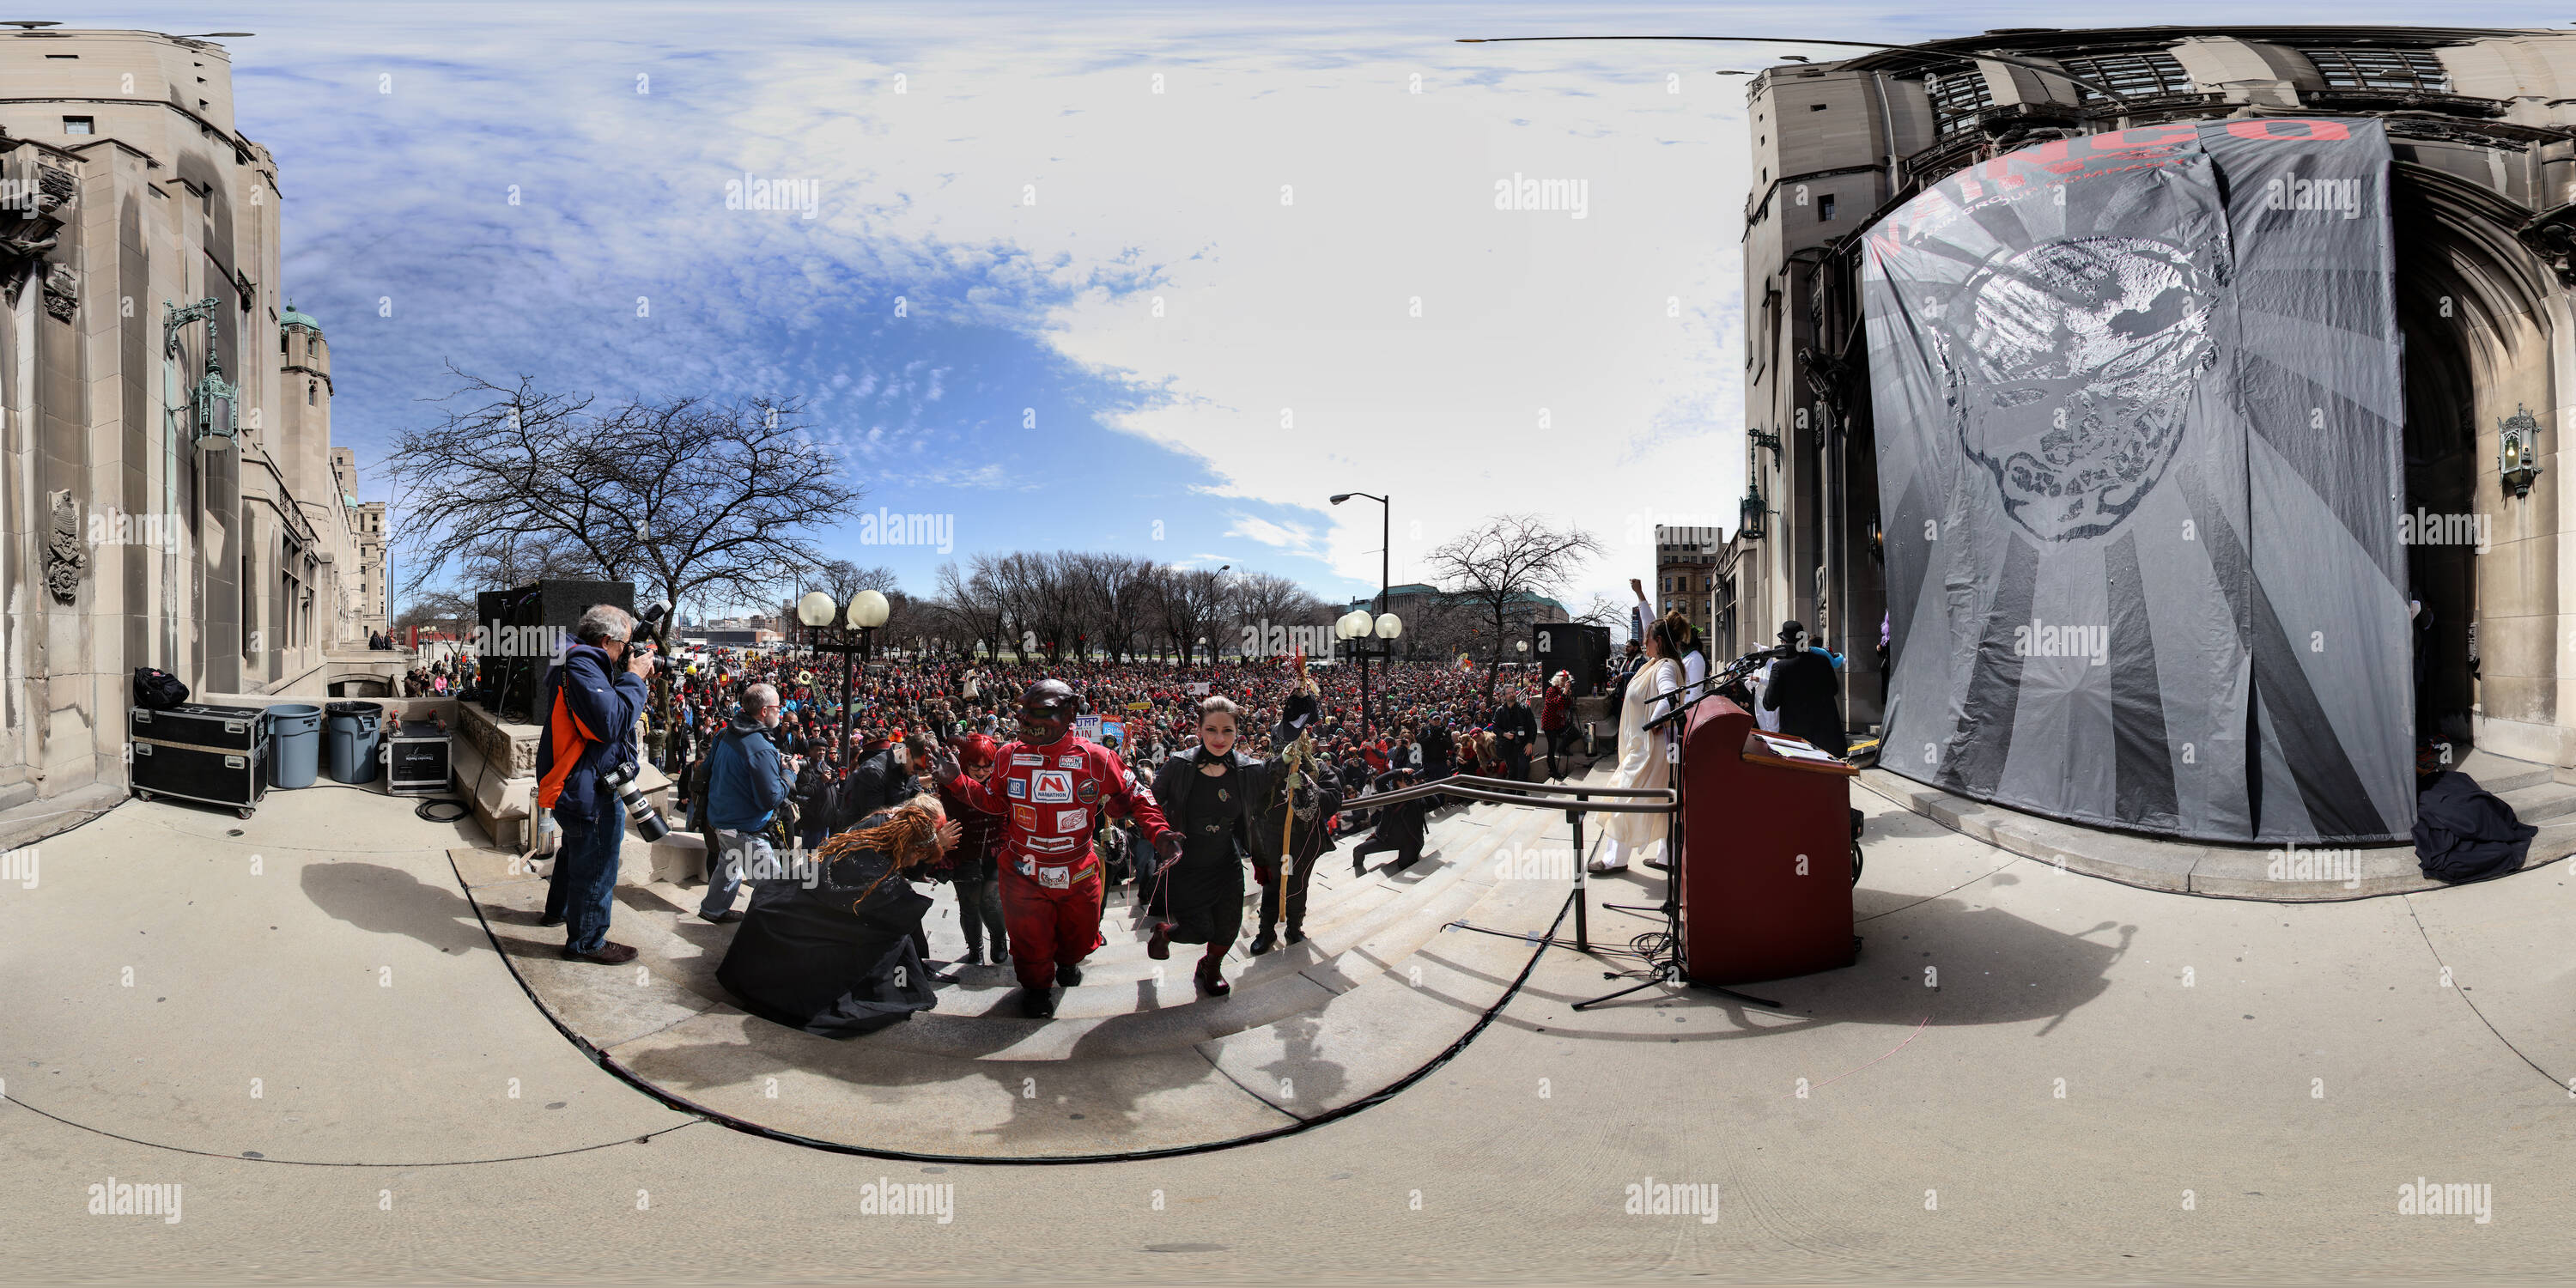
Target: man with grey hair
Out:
[745,784]
[589,701]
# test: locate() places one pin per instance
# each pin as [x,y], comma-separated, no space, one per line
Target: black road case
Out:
[416,759]
[217,755]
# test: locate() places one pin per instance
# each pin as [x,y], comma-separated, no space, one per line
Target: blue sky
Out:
[1229,258]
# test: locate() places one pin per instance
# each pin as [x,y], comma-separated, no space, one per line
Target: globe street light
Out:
[853,636]
[1385,560]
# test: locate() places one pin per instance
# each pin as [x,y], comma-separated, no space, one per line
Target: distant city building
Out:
[1694,574]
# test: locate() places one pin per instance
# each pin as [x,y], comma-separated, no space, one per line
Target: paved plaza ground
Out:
[2101,1082]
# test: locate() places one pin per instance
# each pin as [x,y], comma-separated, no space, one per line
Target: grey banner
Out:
[2137,405]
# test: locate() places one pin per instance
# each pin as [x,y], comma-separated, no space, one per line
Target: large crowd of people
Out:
[1424,710]
[992,778]
[1272,738]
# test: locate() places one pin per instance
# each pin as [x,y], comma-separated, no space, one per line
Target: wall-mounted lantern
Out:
[2518,451]
[1748,519]
[213,397]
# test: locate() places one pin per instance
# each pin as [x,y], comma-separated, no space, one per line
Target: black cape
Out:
[2463,832]
[804,959]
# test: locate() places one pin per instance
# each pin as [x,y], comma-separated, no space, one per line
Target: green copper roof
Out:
[294,318]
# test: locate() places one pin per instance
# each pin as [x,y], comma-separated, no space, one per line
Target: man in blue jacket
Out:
[589,701]
[745,783]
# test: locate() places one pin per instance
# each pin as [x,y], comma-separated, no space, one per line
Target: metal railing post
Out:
[1582,904]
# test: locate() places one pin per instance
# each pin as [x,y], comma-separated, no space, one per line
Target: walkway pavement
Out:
[2292,873]
[2030,1073]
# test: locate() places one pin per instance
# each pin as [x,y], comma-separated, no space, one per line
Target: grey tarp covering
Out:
[2137,403]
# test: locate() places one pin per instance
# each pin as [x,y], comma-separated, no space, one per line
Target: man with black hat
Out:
[1399,826]
[1803,690]
[1051,787]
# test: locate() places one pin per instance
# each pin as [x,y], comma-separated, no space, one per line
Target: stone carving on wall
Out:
[64,559]
[62,291]
[31,227]
[2551,234]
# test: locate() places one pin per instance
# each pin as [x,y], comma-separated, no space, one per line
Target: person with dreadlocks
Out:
[1052,786]
[838,958]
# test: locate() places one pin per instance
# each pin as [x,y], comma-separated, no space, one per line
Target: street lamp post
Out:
[854,637]
[1359,629]
[1385,558]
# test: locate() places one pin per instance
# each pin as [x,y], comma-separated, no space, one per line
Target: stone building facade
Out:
[2483,127]
[141,318]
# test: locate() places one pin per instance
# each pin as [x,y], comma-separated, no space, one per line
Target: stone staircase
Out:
[1136,1057]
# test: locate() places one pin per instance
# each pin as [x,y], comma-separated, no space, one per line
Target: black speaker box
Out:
[517,655]
[1577,647]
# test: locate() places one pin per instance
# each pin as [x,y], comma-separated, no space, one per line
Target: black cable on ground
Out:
[301,1162]
[749,1128]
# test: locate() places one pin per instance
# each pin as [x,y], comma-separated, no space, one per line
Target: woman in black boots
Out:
[1207,795]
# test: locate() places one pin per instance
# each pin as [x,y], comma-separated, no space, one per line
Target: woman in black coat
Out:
[840,959]
[1207,793]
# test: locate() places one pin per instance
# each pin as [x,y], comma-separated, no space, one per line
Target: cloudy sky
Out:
[1227,260]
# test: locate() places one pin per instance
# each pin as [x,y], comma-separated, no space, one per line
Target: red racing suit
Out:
[1050,799]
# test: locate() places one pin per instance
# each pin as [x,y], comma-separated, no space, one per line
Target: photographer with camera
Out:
[745,785]
[590,700]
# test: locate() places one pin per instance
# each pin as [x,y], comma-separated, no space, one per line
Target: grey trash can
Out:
[355,729]
[295,742]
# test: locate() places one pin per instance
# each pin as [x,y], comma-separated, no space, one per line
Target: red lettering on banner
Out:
[2051,156]
[2120,141]
[2316,131]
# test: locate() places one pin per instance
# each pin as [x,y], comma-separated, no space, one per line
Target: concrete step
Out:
[2541,801]
[1129,1004]
[2499,774]
[1381,987]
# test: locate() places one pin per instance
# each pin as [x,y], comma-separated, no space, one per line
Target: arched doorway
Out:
[2469,304]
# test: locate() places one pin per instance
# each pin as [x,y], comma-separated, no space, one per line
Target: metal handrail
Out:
[1571,801]
[1571,798]
[1523,786]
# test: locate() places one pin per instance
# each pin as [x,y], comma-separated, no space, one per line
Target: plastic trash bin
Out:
[355,728]
[295,741]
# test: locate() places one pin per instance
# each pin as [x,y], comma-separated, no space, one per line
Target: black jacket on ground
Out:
[2463,832]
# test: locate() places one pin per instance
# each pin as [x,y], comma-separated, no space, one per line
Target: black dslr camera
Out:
[652,629]
[648,821]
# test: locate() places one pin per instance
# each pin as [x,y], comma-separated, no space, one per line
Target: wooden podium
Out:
[1765,874]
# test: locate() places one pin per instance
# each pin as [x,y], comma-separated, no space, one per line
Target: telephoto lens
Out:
[649,822]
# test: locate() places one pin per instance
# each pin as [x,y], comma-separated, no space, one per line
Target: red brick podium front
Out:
[1765,867]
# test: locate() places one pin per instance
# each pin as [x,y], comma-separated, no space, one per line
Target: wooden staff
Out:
[1293,760]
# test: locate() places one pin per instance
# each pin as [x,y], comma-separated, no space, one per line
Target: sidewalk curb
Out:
[2181,867]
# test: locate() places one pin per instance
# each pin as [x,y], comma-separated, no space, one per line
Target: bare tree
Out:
[438,610]
[501,559]
[685,495]
[1503,567]
[1192,602]
[974,603]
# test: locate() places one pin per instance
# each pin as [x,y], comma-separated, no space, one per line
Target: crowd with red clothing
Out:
[1044,841]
